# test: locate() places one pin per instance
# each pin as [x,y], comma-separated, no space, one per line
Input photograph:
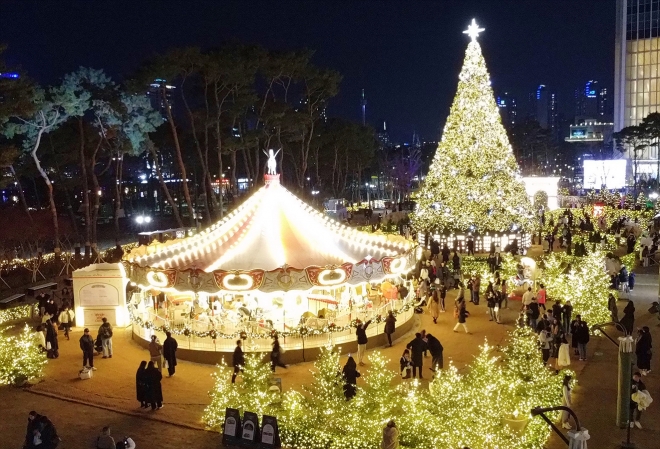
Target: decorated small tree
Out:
[21,359]
[474,181]
[251,394]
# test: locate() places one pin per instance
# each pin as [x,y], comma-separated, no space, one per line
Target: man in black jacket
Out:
[362,340]
[87,346]
[435,348]
[237,360]
[41,426]
[417,348]
[170,346]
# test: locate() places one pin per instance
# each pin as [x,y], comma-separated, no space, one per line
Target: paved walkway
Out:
[81,408]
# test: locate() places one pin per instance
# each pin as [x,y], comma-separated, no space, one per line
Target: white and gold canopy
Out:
[272,242]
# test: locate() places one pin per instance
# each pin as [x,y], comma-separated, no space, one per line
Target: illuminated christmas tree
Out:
[474,181]
[21,359]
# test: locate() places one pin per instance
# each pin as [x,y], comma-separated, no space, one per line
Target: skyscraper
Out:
[543,108]
[508,109]
[591,101]
[637,54]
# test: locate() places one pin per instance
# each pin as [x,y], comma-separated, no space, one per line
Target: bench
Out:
[11,299]
[32,290]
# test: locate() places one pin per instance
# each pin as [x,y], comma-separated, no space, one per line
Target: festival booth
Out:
[99,291]
[273,266]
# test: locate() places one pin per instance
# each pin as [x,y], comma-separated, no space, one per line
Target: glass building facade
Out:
[637,59]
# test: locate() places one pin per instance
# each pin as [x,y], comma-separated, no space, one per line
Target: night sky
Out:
[406,54]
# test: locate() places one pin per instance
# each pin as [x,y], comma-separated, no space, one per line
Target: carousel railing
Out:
[263,344]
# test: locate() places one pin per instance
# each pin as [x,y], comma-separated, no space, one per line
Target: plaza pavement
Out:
[80,408]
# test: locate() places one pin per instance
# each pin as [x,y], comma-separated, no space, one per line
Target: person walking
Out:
[52,345]
[643,350]
[527,297]
[275,354]
[87,347]
[390,436]
[491,301]
[612,307]
[154,388]
[66,318]
[434,306]
[141,392]
[417,348]
[533,313]
[237,360]
[155,352]
[475,290]
[390,325]
[105,331]
[582,334]
[461,314]
[637,386]
[435,348]
[361,333]
[443,295]
[628,320]
[170,346]
[545,341]
[541,296]
[567,315]
[350,375]
[566,401]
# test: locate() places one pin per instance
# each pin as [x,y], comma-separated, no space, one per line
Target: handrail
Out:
[539,411]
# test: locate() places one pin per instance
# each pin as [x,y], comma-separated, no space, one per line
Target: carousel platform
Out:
[207,351]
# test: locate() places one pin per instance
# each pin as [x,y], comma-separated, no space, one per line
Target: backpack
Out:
[106,332]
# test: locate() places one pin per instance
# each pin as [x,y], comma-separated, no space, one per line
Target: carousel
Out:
[273,266]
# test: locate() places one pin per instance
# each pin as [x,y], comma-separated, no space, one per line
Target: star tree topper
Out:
[473,30]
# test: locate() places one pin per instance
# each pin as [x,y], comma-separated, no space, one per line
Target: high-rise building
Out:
[591,101]
[155,93]
[508,109]
[363,106]
[543,109]
[383,136]
[637,55]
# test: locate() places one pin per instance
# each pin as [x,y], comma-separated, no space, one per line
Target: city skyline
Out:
[404,58]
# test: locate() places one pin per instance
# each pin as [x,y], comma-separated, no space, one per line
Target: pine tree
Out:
[21,358]
[473,182]
[251,394]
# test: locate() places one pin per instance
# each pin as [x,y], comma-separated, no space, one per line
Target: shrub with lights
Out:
[21,358]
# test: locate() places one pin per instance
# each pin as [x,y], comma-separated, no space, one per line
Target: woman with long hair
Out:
[350,375]
[566,401]
[434,306]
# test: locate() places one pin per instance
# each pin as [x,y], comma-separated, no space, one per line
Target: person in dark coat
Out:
[582,336]
[51,337]
[567,314]
[557,311]
[628,320]
[350,375]
[390,326]
[435,348]
[154,389]
[417,348]
[275,354]
[43,427]
[611,306]
[87,347]
[643,350]
[237,360]
[574,328]
[170,346]
[141,385]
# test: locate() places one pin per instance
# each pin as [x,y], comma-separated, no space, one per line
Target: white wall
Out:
[547,184]
[100,291]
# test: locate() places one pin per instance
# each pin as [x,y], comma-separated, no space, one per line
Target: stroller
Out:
[98,345]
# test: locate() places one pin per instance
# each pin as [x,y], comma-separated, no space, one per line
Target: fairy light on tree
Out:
[474,181]
[21,359]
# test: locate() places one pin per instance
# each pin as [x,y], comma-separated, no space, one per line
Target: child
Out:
[406,364]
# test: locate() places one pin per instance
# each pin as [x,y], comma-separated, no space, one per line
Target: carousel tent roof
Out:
[272,229]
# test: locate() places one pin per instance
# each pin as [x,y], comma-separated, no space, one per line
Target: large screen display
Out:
[611,174]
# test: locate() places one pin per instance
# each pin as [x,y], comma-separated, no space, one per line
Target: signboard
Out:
[95,317]
[98,294]
[232,427]
[270,433]
[250,434]
[611,174]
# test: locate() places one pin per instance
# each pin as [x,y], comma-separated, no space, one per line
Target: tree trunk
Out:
[179,157]
[21,194]
[163,185]
[85,183]
[118,192]
[51,198]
